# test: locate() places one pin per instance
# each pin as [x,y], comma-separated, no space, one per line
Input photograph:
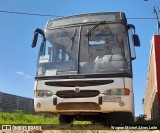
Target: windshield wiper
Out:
[94,27]
[66,32]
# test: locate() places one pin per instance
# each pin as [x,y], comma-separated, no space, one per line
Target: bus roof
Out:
[87,18]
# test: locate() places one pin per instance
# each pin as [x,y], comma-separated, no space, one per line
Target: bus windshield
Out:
[71,50]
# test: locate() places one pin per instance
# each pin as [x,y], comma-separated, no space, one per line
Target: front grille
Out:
[78,83]
[78,106]
[81,94]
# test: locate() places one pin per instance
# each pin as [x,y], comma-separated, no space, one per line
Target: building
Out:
[151,101]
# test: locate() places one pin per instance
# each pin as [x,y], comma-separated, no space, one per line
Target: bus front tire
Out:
[66,119]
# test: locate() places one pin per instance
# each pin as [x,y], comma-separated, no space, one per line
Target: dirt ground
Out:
[83,131]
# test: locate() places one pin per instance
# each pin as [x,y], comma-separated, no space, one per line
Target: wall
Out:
[151,102]
[11,103]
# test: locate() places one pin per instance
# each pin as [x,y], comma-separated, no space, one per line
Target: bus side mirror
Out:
[34,42]
[136,40]
[35,38]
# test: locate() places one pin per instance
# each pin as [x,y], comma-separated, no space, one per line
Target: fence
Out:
[11,103]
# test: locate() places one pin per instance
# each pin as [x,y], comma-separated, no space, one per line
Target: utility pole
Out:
[156,11]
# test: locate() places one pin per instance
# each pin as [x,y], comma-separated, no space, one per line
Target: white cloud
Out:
[24,75]
[19,72]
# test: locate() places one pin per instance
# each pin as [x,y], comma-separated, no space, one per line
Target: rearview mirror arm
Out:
[35,38]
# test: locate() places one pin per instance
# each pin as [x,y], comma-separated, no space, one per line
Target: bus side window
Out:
[50,53]
[62,55]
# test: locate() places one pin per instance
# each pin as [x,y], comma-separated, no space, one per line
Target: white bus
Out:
[84,68]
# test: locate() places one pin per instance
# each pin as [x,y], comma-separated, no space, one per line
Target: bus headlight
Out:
[40,93]
[108,92]
[117,91]
[49,93]
[43,93]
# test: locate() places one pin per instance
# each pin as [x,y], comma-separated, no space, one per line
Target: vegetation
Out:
[19,117]
[141,119]
[52,122]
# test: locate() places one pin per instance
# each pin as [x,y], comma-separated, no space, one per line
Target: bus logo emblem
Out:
[77,90]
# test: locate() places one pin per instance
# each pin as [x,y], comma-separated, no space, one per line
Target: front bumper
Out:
[98,104]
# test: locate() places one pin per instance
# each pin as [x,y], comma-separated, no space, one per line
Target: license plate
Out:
[111,99]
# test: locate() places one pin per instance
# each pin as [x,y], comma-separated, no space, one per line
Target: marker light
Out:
[126,91]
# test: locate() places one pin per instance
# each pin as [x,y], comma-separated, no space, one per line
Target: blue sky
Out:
[18,59]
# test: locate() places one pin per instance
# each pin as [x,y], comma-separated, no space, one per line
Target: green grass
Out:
[19,117]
